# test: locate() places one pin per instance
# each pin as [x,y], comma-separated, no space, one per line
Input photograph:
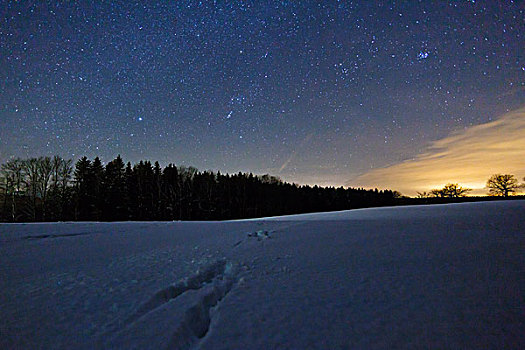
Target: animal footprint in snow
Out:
[260,235]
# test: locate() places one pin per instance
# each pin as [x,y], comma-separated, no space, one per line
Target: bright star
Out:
[422,55]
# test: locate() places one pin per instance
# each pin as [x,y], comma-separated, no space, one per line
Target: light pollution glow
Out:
[468,157]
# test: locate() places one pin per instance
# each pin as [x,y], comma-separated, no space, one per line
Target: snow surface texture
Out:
[442,276]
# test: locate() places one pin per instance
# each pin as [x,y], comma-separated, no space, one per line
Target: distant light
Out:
[140,119]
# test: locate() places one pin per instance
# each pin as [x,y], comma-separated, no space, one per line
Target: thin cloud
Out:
[293,154]
[469,158]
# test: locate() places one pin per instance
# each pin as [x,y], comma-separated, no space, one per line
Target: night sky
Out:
[315,92]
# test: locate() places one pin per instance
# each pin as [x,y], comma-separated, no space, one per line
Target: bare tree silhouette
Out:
[450,191]
[502,185]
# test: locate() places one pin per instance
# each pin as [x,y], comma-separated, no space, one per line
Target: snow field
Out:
[442,276]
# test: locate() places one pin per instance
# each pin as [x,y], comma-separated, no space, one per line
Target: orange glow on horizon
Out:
[469,158]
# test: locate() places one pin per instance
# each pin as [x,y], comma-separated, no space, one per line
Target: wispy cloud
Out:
[468,157]
[293,153]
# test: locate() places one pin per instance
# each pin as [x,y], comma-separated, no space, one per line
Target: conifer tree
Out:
[82,189]
[97,188]
[115,190]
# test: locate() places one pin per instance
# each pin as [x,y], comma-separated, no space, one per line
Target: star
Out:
[422,55]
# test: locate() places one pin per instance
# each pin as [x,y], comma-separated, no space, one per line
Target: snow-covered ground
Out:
[441,276]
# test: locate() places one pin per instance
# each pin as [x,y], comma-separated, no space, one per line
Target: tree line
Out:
[503,185]
[55,189]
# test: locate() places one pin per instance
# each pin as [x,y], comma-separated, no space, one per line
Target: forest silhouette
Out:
[53,189]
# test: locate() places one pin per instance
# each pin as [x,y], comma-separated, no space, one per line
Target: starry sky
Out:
[317,92]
